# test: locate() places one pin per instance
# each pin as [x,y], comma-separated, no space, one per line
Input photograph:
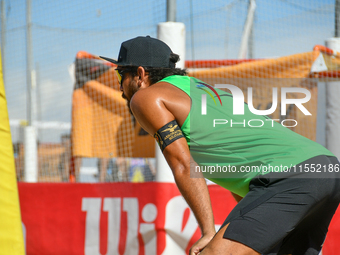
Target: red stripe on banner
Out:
[118,218]
[57,215]
[331,245]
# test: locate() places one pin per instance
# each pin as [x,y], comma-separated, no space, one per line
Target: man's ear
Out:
[140,72]
[142,76]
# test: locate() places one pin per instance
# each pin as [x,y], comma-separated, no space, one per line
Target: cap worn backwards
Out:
[143,51]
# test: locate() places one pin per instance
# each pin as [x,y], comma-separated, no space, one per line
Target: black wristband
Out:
[168,134]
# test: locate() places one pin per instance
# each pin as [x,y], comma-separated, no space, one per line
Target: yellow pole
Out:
[11,235]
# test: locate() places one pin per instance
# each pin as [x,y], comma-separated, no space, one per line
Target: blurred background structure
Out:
[43,45]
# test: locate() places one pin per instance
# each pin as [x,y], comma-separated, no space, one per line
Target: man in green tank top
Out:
[281,209]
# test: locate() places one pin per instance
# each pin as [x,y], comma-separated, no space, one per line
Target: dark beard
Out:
[127,102]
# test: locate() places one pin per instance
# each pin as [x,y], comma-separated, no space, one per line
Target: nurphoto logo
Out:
[238,102]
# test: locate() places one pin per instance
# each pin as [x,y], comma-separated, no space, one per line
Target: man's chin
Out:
[128,105]
[127,102]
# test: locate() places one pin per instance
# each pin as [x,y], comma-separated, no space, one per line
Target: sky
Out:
[61,28]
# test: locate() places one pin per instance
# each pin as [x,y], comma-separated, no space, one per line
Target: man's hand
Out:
[200,244]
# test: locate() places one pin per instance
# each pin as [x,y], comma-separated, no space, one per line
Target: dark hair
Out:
[174,58]
[158,73]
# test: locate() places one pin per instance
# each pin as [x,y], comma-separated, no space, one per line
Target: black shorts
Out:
[286,215]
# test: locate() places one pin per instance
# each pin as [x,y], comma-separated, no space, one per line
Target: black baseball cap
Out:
[143,51]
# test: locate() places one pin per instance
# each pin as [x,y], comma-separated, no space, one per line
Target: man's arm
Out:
[152,114]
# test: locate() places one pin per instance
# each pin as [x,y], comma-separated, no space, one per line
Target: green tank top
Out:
[237,148]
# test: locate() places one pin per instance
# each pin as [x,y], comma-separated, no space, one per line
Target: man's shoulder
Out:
[155,94]
[176,78]
[148,97]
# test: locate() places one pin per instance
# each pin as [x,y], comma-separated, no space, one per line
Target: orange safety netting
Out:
[103,127]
